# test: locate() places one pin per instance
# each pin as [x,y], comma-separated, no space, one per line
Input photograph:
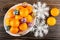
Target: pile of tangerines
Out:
[19,19]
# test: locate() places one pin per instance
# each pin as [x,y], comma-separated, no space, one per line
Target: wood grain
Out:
[54,32]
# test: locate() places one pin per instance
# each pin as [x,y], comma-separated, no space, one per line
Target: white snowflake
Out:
[41,12]
[40,28]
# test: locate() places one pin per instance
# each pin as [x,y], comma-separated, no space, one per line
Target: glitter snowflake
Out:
[41,12]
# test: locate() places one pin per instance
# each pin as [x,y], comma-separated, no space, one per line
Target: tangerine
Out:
[29,18]
[54,11]
[10,13]
[51,21]
[29,8]
[19,7]
[14,23]
[7,21]
[14,30]
[18,17]
[24,12]
[23,27]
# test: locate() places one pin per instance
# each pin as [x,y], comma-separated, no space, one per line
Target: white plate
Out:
[20,33]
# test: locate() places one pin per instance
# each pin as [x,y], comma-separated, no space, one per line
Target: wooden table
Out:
[54,32]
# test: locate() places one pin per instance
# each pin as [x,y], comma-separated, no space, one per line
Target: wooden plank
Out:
[54,32]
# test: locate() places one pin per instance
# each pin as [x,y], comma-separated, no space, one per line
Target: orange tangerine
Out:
[14,30]
[7,21]
[14,23]
[24,12]
[17,22]
[10,13]
[51,21]
[23,27]
[19,7]
[18,17]
[54,11]
[29,8]
[29,18]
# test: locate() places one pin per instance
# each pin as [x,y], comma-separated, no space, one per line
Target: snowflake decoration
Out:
[41,12]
